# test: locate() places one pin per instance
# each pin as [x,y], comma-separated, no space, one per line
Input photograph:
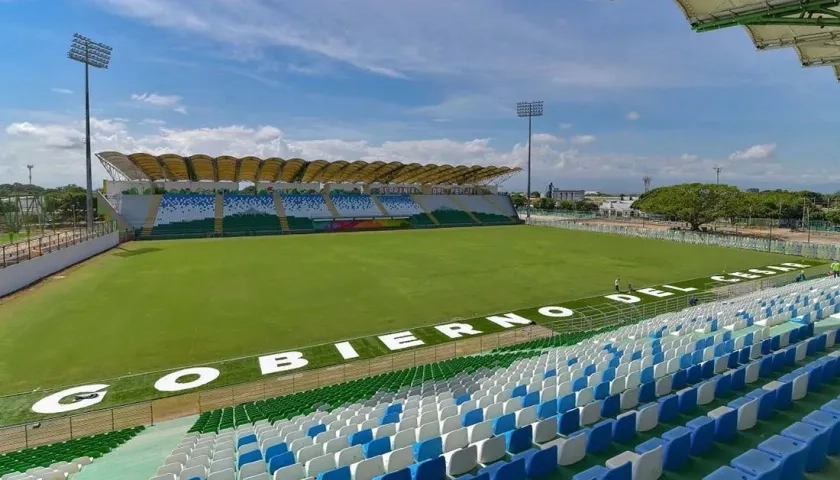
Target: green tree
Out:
[833,216]
[586,206]
[12,222]
[545,203]
[693,203]
[565,205]
[518,200]
[535,194]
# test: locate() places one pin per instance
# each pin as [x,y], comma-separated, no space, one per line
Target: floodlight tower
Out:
[529,109]
[646,180]
[96,55]
[717,173]
[30,167]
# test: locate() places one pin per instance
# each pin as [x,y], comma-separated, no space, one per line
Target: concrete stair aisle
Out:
[281,212]
[150,217]
[330,205]
[379,205]
[220,214]
[140,457]
[493,201]
[460,205]
[429,214]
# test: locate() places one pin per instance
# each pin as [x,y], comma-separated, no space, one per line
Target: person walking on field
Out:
[617,286]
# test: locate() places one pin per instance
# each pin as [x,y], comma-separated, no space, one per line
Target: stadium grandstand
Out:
[197,196]
[810,27]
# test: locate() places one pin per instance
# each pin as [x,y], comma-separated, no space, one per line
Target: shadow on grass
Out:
[123,252]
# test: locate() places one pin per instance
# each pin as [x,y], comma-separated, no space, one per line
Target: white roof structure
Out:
[811,27]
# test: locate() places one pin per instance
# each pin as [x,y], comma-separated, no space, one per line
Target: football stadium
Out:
[250,318]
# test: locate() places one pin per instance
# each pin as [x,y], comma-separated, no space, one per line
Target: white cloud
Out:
[756,152]
[545,138]
[62,144]
[540,50]
[687,157]
[152,121]
[633,116]
[565,126]
[62,91]
[161,101]
[583,139]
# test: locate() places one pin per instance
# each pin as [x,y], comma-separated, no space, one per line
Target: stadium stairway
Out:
[457,201]
[680,394]
[378,203]
[431,216]
[219,219]
[330,204]
[281,213]
[495,202]
[151,215]
[139,458]
[112,208]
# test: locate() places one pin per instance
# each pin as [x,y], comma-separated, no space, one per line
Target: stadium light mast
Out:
[96,55]
[717,173]
[529,109]
[30,167]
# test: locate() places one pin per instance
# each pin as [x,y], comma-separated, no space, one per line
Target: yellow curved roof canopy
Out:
[173,167]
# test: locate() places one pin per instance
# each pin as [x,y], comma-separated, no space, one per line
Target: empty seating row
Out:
[355,206]
[53,461]
[190,214]
[250,214]
[578,387]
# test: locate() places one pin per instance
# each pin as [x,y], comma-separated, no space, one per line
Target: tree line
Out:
[546,203]
[61,205]
[700,203]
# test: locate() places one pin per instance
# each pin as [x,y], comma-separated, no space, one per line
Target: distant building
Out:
[567,195]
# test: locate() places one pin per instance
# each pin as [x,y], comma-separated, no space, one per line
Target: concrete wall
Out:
[20,275]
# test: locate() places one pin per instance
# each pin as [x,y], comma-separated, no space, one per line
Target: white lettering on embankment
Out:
[555,312]
[457,330]
[346,350]
[400,340]
[282,362]
[90,395]
[624,298]
[654,292]
[52,404]
[509,320]
[170,383]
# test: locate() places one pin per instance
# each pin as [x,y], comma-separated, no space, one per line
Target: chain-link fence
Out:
[802,249]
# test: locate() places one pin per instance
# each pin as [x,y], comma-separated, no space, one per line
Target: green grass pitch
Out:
[153,306]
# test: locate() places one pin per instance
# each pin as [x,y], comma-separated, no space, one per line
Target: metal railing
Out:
[14,253]
[59,429]
[786,247]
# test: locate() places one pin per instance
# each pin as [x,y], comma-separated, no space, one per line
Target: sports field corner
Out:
[164,307]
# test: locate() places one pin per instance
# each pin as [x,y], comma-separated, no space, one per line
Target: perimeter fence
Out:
[29,248]
[786,247]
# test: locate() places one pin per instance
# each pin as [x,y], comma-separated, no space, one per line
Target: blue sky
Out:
[628,90]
